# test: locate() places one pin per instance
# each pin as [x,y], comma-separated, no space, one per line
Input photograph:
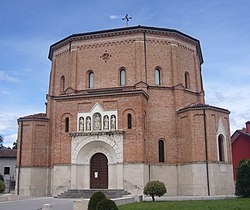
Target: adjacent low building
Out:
[240,146]
[8,167]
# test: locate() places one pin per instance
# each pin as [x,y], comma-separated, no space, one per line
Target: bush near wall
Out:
[242,187]
[2,186]
[106,204]
[1,177]
[155,188]
[95,199]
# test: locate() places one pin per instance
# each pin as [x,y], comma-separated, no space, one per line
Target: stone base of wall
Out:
[180,180]
[191,179]
[33,181]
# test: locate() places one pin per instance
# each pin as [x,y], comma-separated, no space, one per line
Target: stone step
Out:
[81,193]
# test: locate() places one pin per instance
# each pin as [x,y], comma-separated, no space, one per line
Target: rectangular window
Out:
[91,80]
[66,124]
[6,170]
[122,77]
[157,77]
[129,121]
[161,151]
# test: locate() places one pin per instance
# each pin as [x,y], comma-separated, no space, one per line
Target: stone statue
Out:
[81,124]
[113,122]
[97,122]
[88,124]
[106,122]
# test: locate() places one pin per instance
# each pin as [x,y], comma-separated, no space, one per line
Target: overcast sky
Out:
[29,27]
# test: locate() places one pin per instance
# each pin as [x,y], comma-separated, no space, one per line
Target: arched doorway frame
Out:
[84,147]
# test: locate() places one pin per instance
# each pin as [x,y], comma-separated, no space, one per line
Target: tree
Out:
[242,187]
[155,188]
[14,145]
[1,140]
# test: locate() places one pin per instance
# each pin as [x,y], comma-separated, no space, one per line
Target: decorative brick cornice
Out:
[178,87]
[105,44]
[126,31]
[118,43]
[97,133]
[101,94]
[166,42]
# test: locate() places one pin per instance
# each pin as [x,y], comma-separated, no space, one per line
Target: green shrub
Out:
[2,186]
[155,188]
[242,187]
[106,204]
[94,200]
[1,177]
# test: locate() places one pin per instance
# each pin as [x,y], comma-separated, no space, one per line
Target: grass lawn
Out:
[228,204]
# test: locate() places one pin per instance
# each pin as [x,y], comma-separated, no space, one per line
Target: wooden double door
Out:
[99,171]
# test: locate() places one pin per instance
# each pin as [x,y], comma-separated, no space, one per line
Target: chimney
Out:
[248,126]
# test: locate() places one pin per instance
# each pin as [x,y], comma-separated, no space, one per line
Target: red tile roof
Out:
[12,153]
[201,106]
[39,116]
[238,133]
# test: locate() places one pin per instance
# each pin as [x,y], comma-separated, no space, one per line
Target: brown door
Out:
[99,171]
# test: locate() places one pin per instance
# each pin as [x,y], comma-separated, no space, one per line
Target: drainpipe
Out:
[145,56]
[149,172]
[206,152]
[20,156]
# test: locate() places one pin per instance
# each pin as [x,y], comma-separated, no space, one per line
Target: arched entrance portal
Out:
[99,171]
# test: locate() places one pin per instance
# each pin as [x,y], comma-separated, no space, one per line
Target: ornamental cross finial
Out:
[127,18]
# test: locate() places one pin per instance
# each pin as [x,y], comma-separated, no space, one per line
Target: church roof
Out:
[39,116]
[126,30]
[201,106]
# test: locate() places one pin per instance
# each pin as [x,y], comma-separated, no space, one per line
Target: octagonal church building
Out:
[125,106]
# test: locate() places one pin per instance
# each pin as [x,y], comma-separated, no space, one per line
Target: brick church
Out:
[125,106]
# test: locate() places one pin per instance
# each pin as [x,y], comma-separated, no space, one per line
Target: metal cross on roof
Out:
[127,18]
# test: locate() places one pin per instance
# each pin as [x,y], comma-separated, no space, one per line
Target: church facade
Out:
[125,106]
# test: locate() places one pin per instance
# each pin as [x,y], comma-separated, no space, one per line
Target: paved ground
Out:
[37,203]
[27,203]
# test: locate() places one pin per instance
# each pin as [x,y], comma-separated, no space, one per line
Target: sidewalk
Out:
[36,203]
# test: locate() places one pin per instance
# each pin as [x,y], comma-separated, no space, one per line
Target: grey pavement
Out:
[29,203]
[37,203]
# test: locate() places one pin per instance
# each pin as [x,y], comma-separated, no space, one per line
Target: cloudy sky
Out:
[29,27]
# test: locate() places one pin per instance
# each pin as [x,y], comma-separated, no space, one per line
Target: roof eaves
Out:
[34,117]
[201,107]
[126,29]
[238,133]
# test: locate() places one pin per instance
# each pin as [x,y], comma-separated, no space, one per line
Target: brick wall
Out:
[153,107]
[34,137]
